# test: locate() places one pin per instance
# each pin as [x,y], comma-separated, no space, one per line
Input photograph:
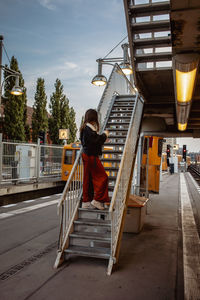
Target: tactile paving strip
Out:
[12,271]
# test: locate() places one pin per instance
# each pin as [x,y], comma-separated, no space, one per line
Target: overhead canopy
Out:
[159,33]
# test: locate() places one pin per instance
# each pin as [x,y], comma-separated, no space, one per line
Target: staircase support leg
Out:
[110,266]
[59,259]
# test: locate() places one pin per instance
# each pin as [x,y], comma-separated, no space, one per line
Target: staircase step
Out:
[143,27]
[114,144]
[117,129]
[111,169]
[90,239]
[153,57]
[95,236]
[148,8]
[112,160]
[123,105]
[89,251]
[118,123]
[95,214]
[112,177]
[112,151]
[111,188]
[92,222]
[120,119]
[150,42]
[95,226]
[121,110]
[125,98]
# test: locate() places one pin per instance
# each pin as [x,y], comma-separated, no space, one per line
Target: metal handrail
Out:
[69,202]
[115,68]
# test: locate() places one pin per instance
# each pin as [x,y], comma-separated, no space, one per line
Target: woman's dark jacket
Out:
[92,141]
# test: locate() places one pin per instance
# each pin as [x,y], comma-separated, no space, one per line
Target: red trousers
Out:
[95,180]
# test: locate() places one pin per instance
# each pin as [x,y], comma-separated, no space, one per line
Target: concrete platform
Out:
[150,265]
[21,191]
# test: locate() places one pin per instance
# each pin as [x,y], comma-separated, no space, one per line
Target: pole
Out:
[1,51]
[139,160]
[1,158]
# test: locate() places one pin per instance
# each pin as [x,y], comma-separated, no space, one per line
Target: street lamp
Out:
[99,79]
[16,90]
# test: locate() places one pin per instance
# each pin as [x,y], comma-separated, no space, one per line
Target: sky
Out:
[62,39]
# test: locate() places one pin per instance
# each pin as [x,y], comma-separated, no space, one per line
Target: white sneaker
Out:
[87,205]
[97,204]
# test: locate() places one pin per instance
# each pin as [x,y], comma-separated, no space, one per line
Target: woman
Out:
[93,169]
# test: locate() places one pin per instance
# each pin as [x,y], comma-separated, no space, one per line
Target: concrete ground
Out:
[149,268]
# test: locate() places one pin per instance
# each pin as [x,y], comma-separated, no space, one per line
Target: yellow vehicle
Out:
[69,156]
[164,162]
[152,154]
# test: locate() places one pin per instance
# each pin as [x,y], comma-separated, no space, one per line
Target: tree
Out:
[55,119]
[26,126]
[39,117]
[62,117]
[64,112]
[14,107]
[72,126]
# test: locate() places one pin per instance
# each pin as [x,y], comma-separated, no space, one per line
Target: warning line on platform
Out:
[26,209]
[191,245]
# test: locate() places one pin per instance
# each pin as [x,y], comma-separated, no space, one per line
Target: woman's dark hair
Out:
[91,116]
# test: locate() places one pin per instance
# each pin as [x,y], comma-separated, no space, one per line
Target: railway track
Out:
[195,172]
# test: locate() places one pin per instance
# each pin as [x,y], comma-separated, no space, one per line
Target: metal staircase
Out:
[151,31]
[97,233]
[92,229]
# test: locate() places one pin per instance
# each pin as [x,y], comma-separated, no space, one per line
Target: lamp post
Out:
[100,79]
[16,90]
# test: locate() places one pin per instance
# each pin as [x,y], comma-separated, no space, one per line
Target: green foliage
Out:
[55,119]
[39,117]
[62,117]
[72,126]
[14,107]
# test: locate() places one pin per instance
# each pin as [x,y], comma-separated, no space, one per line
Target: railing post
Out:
[139,159]
[38,160]
[1,157]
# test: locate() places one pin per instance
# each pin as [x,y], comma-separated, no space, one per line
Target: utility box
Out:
[25,156]
[135,216]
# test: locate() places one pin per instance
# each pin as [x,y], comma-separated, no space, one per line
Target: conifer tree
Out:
[39,117]
[72,126]
[64,112]
[26,126]
[55,119]
[62,117]
[14,107]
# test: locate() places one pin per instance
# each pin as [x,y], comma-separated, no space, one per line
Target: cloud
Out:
[71,65]
[47,4]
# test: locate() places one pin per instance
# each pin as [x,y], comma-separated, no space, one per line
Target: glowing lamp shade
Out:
[16,91]
[185,84]
[182,127]
[126,68]
[99,80]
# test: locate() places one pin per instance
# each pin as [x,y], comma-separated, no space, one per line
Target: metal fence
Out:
[26,162]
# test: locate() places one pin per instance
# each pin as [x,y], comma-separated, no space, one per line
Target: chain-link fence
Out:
[26,162]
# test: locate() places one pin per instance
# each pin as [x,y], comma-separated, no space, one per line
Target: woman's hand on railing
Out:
[106,132]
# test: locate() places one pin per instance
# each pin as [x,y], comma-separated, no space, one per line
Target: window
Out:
[160,143]
[68,157]
[145,146]
[76,154]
